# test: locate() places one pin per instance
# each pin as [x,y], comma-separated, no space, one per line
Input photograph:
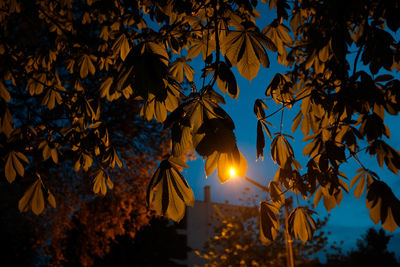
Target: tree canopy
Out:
[371,251]
[65,63]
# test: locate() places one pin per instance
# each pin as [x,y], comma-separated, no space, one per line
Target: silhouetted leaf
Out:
[211,163]
[383,205]
[4,94]
[245,48]
[269,222]
[276,192]
[260,140]
[32,199]
[226,80]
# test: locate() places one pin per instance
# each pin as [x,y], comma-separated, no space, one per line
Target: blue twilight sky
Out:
[347,222]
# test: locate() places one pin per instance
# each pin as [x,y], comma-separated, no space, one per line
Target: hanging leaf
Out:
[14,165]
[276,192]
[51,199]
[301,224]
[269,222]
[32,199]
[218,136]
[228,161]
[331,198]
[180,68]
[211,163]
[296,121]
[6,123]
[86,66]
[121,46]
[281,150]
[260,140]
[168,192]
[362,176]
[383,205]
[226,80]
[317,197]
[4,94]
[181,140]
[279,35]
[205,46]
[101,182]
[245,48]
[51,98]
[259,109]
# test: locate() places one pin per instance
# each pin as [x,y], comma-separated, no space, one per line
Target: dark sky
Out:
[348,221]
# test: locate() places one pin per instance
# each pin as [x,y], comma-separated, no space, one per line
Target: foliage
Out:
[84,226]
[63,63]
[371,251]
[236,241]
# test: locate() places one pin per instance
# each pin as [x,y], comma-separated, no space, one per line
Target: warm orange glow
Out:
[232,172]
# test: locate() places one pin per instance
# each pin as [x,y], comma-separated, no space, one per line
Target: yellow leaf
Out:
[4,93]
[211,163]
[168,192]
[390,223]
[160,112]
[360,187]
[86,66]
[51,199]
[317,197]
[323,54]
[9,169]
[105,87]
[33,198]
[249,64]
[125,48]
[17,164]
[99,183]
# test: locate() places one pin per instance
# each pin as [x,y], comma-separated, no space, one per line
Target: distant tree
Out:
[157,244]
[236,242]
[65,62]
[371,251]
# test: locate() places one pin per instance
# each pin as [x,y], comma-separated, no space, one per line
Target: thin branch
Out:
[287,104]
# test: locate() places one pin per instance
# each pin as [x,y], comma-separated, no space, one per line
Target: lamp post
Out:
[288,238]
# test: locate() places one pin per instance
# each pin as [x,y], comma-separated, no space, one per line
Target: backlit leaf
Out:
[32,199]
[211,163]
[269,222]
[301,224]
[260,140]
[14,165]
[101,182]
[384,206]
[51,199]
[4,94]
[168,192]
[245,49]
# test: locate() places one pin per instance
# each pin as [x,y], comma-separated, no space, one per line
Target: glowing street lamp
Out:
[232,172]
